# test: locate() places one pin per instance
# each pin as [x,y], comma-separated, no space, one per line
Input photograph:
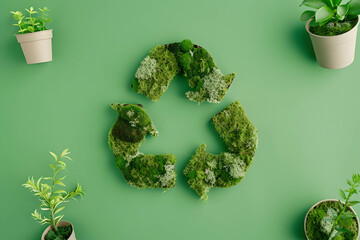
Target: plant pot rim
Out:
[330,200]
[33,33]
[50,228]
[307,27]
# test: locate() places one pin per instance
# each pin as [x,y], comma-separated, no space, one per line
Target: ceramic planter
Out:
[334,52]
[328,200]
[60,224]
[36,46]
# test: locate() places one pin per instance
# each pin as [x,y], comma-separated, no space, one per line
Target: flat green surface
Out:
[308,118]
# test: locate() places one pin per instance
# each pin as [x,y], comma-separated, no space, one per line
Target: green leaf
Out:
[354,7]
[54,155]
[342,11]
[314,3]
[342,194]
[336,2]
[352,203]
[346,215]
[306,15]
[58,210]
[313,23]
[65,152]
[333,213]
[342,230]
[323,15]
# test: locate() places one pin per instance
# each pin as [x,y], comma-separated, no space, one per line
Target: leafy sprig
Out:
[50,196]
[329,11]
[335,217]
[33,22]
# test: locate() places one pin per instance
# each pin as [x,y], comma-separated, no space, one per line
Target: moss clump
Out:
[63,233]
[186,45]
[206,170]
[193,62]
[143,171]
[125,138]
[155,73]
[316,230]
[333,29]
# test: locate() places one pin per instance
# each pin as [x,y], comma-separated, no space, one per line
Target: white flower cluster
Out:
[168,175]
[213,84]
[147,69]
[210,177]
[234,165]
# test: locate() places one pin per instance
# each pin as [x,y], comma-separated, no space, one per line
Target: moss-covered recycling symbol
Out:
[204,170]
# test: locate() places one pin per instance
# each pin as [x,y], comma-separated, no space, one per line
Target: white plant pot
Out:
[334,52]
[60,224]
[329,200]
[36,46]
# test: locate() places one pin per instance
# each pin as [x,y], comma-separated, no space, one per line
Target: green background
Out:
[308,118]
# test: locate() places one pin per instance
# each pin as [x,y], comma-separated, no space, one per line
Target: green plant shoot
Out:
[50,196]
[336,217]
[33,22]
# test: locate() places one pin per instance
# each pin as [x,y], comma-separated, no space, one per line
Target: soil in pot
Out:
[62,234]
[333,29]
[316,229]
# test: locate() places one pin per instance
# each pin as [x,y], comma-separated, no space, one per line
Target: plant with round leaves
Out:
[32,22]
[329,11]
[50,196]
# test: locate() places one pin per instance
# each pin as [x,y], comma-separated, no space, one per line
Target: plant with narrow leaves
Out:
[50,196]
[336,217]
[34,22]
[329,11]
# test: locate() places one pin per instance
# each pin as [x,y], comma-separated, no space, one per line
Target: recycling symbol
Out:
[204,170]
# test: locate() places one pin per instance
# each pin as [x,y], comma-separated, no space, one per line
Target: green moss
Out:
[234,127]
[148,171]
[62,234]
[186,45]
[206,170]
[313,223]
[333,29]
[155,73]
[159,68]
[125,138]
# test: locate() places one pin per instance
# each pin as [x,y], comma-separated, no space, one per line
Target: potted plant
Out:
[52,200]
[334,219]
[34,37]
[332,28]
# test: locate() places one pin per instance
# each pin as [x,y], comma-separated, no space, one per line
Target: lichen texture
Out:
[206,170]
[125,138]
[159,68]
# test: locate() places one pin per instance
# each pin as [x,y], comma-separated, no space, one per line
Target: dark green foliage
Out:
[62,234]
[333,28]
[125,138]
[206,170]
[186,45]
[192,61]
[313,223]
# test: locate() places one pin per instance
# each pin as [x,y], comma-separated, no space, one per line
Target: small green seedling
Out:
[33,22]
[50,196]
